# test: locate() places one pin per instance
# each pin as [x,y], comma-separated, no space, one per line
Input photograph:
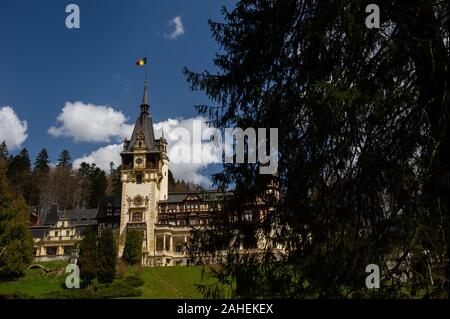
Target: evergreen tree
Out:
[171,178]
[116,182]
[84,173]
[98,185]
[63,187]
[172,184]
[64,159]
[88,257]
[4,154]
[19,164]
[107,257]
[132,253]
[19,174]
[362,118]
[42,162]
[94,184]
[16,243]
[40,178]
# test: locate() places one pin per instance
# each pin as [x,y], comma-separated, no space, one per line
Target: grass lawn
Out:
[171,282]
[160,282]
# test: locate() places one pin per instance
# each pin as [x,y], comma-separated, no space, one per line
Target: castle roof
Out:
[143,128]
[204,195]
[76,216]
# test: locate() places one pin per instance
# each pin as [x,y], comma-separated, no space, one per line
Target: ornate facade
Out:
[57,241]
[144,177]
[164,219]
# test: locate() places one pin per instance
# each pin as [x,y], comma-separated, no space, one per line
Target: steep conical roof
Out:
[143,126]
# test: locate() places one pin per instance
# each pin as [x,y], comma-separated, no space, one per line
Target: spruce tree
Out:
[42,162]
[132,253]
[64,159]
[116,182]
[362,118]
[98,186]
[84,172]
[88,256]
[19,175]
[4,154]
[40,178]
[107,257]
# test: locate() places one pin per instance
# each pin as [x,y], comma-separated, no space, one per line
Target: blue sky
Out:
[43,64]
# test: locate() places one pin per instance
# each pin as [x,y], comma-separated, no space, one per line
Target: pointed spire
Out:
[144,104]
[144,98]
[142,128]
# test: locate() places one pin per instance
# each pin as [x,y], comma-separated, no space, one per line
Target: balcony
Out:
[136,225]
[51,257]
[125,167]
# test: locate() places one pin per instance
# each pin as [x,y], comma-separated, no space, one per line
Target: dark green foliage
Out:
[64,159]
[98,291]
[88,256]
[107,257]
[19,174]
[16,295]
[39,178]
[4,154]
[134,281]
[98,185]
[362,118]
[171,181]
[93,184]
[116,182]
[132,253]
[16,243]
[42,161]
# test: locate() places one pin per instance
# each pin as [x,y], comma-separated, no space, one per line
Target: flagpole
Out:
[146,67]
[145,77]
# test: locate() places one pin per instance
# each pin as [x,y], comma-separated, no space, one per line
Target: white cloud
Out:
[12,130]
[186,171]
[177,23]
[91,123]
[102,157]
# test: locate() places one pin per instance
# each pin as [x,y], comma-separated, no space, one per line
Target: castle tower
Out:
[144,177]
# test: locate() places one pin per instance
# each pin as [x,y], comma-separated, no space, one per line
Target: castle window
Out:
[67,250]
[137,217]
[51,250]
[138,179]
[179,249]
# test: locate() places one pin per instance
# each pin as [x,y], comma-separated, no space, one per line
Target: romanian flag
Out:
[141,62]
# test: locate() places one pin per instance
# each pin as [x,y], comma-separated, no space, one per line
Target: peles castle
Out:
[165,219]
